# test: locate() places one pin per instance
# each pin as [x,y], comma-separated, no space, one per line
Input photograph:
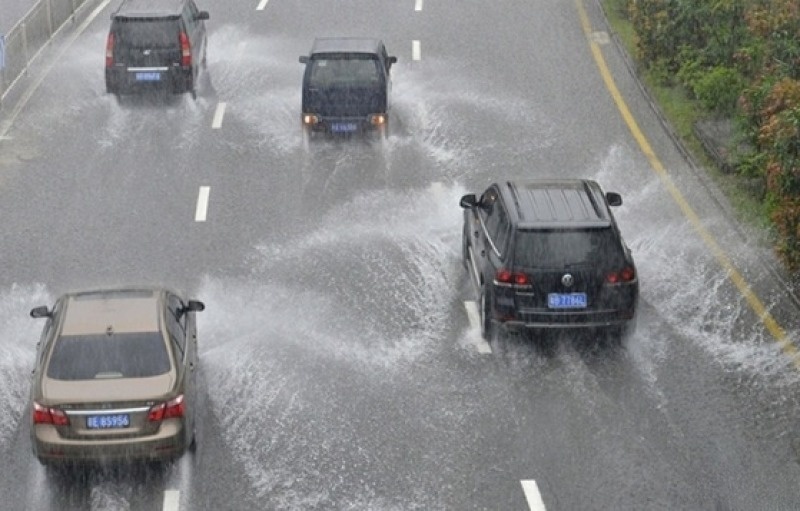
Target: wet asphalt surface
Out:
[340,368]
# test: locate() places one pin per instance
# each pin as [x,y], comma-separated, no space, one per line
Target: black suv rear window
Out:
[129,355]
[348,69]
[147,32]
[560,248]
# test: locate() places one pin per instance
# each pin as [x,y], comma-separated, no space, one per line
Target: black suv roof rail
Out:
[346,44]
[149,8]
[554,203]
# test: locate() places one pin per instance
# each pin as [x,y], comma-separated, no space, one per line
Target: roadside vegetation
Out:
[726,73]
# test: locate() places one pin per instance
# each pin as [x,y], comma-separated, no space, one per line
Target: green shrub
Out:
[737,59]
[718,89]
[692,67]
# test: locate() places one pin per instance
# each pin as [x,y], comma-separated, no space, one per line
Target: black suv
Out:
[155,43]
[548,254]
[346,86]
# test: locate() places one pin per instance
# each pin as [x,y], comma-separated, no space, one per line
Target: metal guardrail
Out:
[26,39]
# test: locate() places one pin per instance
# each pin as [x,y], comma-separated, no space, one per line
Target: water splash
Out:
[18,337]
[261,338]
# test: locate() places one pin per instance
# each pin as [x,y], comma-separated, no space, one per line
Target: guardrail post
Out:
[49,18]
[2,68]
[25,47]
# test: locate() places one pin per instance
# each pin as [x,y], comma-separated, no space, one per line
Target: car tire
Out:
[465,249]
[487,325]
[627,330]
[193,442]
[55,471]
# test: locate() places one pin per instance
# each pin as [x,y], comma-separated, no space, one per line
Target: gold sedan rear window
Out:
[115,355]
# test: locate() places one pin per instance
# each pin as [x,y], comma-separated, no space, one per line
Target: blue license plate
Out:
[344,127]
[566,300]
[148,77]
[121,420]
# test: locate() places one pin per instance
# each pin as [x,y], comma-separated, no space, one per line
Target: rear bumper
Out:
[122,80]
[611,308]
[563,321]
[343,125]
[169,442]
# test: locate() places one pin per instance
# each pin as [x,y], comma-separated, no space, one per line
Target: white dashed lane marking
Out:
[532,495]
[261,5]
[475,326]
[172,500]
[416,50]
[202,204]
[418,5]
[218,115]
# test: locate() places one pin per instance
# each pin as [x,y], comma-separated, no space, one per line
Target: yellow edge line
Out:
[778,333]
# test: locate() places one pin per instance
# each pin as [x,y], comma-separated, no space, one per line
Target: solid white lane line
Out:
[532,495]
[218,115]
[172,500]
[418,5]
[475,324]
[416,51]
[261,5]
[202,204]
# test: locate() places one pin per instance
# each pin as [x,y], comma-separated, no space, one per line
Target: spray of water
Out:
[18,337]
[260,338]
[108,496]
[433,119]
[682,280]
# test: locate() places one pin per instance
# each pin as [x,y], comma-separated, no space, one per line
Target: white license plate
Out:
[121,420]
[566,300]
[150,76]
[344,127]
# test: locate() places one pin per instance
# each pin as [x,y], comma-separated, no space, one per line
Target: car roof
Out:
[556,203]
[149,8]
[114,310]
[347,45]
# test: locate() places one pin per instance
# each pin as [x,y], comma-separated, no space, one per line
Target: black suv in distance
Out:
[346,86]
[548,254]
[155,43]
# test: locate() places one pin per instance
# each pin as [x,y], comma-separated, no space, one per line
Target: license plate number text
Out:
[148,77]
[566,300]
[122,420]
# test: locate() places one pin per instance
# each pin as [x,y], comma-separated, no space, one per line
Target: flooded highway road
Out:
[339,364]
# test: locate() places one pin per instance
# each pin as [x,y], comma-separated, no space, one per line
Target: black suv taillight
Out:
[504,276]
[186,50]
[110,50]
[626,274]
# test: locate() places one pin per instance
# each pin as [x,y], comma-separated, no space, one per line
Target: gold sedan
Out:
[115,377]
